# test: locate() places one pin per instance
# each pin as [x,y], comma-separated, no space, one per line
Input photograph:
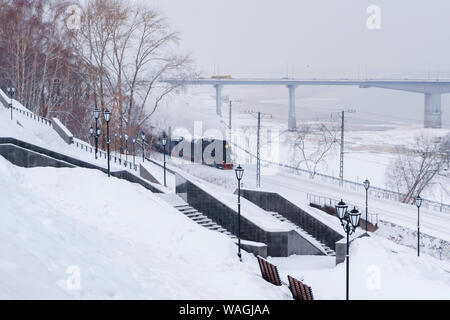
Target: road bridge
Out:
[431,89]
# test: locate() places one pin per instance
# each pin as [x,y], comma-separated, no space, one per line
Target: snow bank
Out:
[379,269]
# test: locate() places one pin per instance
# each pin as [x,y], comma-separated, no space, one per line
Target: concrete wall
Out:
[144,173]
[3,101]
[27,155]
[274,202]
[29,159]
[279,244]
[63,132]
[256,249]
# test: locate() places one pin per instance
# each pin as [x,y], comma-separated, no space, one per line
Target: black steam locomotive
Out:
[211,152]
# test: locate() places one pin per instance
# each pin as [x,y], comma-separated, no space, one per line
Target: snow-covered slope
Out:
[29,130]
[124,241]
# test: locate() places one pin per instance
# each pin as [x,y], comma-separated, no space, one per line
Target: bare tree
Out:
[311,143]
[129,48]
[413,170]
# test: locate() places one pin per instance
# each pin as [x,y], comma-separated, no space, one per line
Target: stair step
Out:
[208,224]
[194,215]
[189,211]
[203,220]
[182,207]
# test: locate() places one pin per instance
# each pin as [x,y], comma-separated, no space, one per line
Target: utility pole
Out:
[341,157]
[229,123]
[258,154]
[341,161]
[229,116]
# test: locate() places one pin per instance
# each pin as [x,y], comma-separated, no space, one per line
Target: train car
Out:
[211,152]
[221,77]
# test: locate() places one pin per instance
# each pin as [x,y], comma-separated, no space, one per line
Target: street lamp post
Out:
[418,204]
[349,221]
[115,145]
[126,148]
[120,149]
[143,146]
[11,91]
[133,140]
[98,133]
[96,116]
[367,186]
[107,115]
[239,173]
[164,142]
[91,132]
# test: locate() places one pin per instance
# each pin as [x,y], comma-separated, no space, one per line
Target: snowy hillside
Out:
[125,242]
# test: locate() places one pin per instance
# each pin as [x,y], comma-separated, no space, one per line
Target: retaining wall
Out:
[27,155]
[279,243]
[63,132]
[274,202]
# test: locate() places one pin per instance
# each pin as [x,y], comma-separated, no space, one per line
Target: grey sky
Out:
[320,38]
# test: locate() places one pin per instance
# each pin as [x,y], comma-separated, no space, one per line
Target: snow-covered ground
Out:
[74,233]
[379,269]
[62,238]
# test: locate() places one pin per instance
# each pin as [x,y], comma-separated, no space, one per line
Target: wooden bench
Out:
[269,271]
[299,290]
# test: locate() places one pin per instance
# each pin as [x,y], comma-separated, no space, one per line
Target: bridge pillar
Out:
[432,116]
[292,117]
[219,99]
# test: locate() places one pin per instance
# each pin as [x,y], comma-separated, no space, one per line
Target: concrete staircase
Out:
[179,204]
[202,220]
[328,250]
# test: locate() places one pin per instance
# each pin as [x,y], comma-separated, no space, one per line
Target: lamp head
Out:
[143,135]
[96,113]
[354,217]
[341,209]
[91,130]
[239,172]
[366,184]
[418,201]
[107,115]
[164,138]
[11,91]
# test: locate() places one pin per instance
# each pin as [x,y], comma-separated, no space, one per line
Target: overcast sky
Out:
[314,38]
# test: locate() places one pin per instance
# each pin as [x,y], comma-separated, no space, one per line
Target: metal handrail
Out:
[330,202]
[376,192]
